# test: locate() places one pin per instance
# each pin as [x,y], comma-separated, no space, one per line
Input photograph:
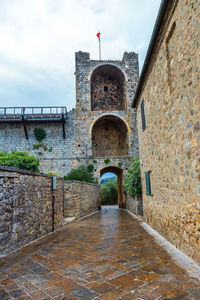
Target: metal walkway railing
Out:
[27,115]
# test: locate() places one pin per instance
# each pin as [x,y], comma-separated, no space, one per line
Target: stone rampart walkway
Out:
[105,256]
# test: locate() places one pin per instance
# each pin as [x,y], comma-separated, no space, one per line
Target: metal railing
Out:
[45,110]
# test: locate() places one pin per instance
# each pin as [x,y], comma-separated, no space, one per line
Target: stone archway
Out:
[119,173]
[109,137]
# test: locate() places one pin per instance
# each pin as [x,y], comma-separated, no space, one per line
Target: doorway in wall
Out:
[114,176]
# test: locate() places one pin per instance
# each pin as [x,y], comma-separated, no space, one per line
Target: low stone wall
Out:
[80,198]
[58,194]
[135,205]
[31,206]
[26,207]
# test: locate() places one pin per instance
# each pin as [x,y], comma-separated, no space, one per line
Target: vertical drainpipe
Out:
[53,200]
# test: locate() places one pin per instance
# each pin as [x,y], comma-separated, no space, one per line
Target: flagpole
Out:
[99,49]
[99,38]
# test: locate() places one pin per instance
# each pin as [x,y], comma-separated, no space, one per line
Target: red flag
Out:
[98,35]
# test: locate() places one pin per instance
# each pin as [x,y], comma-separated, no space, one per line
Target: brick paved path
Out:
[105,256]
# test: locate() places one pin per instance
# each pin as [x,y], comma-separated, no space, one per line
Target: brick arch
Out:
[119,172]
[109,137]
[107,88]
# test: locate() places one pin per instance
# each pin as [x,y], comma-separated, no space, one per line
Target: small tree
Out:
[81,174]
[132,180]
[19,159]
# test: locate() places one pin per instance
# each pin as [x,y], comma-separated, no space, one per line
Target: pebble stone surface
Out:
[105,256]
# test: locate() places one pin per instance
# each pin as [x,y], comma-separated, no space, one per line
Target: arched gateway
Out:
[119,172]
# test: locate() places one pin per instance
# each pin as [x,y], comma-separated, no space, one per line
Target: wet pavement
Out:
[105,256]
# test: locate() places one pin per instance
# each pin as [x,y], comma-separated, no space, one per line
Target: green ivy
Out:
[119,164]
[50,149]
[45,147]
[40,134]
[106,161]
[40,153]
[132,180]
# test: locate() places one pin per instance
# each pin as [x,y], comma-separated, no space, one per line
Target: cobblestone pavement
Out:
[105,256]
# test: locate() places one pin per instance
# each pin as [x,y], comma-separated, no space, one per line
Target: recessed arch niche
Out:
[107,89]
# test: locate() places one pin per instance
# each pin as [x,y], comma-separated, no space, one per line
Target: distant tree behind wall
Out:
[109,193]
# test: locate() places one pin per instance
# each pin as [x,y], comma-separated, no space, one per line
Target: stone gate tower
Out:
[106,123]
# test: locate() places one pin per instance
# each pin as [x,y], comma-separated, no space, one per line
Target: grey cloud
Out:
[38,52]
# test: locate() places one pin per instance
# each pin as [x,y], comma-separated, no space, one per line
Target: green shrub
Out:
[94,161]
[132,180]
[106,161]
[40,134]
[39,153]
[52,173]
[109,193]
[119,164]
[90,168]
[81,174]
[45,147]
[37,146]
[19,159]
[50,149]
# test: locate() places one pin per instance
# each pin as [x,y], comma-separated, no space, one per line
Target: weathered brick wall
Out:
[169,146]
[26,207]
[80,198]
[135,205]
[58,205]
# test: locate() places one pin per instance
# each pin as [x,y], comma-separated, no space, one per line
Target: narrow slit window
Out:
[143,116]
[148,183]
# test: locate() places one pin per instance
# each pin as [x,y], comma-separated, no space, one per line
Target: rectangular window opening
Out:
[143,115]
[148,183]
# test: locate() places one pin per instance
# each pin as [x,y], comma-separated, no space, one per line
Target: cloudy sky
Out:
[38,39]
